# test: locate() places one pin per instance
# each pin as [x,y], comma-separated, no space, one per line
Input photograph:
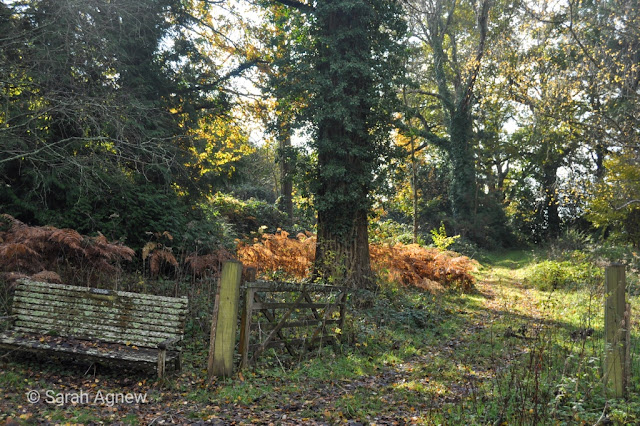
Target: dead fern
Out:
[278,252]
[47,276]
[207,265]
[160,259]
[31,249]
[409,265]
[416,266]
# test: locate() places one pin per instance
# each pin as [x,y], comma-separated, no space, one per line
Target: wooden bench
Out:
[96,324]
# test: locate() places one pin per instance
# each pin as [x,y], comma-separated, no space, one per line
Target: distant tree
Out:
[576,80]
[453,36]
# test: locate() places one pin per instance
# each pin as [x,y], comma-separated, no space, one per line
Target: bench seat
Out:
[83,348]
[96,324]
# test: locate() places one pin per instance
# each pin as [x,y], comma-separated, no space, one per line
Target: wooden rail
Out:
[267,314]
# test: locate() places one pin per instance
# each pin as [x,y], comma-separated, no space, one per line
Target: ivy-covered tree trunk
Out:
[463,171]
[347,69]
[344,257]
[286,179]
[354,83]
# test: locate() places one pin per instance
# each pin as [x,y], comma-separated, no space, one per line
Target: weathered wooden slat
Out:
[276,287]
[150,342]
[88,310]
[108,320]
[72,327]
[285,305]
[123,304]
[101,299]
[57,309]
[293,324]
[142,296]
[120,304]
[299,342]
[119,352]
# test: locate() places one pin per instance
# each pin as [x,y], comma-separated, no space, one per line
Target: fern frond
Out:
[67,238]
[160,258]
[410,265]
[47,276]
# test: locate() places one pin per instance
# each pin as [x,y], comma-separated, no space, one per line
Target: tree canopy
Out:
[504,122]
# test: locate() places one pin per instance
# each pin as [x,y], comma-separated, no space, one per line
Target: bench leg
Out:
[178,362]
[162,357]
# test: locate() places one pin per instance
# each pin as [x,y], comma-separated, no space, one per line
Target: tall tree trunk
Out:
[342,246]
[550,208]
[344,259]
[463,179]
[286,185]
[414,190]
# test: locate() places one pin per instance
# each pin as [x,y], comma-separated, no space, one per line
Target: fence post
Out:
[225,321]
[616,323]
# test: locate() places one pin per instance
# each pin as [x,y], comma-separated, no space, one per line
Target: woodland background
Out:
[512,123]
[468,165]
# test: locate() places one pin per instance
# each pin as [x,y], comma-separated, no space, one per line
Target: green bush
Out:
[391,232]
[554,274]
[440,238]
[250,216]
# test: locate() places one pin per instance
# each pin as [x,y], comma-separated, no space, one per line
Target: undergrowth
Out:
[502,354]
[34,249]
[407,264]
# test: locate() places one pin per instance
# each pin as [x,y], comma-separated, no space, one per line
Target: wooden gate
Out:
[295,317]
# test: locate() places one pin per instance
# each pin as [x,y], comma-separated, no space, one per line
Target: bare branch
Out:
[627,204]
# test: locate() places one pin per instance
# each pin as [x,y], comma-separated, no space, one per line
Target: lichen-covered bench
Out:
[96,324]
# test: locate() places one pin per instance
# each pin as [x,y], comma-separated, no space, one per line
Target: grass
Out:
[507,352]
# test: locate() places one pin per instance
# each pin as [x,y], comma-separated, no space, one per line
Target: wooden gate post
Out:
[616,324]
[224,321]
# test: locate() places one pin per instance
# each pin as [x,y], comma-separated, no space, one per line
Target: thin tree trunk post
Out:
[627,345]
[245,331]
[615,331]
[343,314]
[414,190]
[212,335]
[225,321]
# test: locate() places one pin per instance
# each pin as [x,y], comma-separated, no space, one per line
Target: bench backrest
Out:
[134,319]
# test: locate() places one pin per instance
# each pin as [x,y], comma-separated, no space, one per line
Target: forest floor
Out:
[412,358]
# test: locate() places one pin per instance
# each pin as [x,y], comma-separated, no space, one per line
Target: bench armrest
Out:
[9,318]
[166,344]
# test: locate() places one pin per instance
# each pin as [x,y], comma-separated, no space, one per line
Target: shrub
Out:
[440,239]
[248,216]
[555,274]
[391,232]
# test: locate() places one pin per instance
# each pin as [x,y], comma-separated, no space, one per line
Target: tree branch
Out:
[305,8]
[234,73]
[483,18]
[627,204]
